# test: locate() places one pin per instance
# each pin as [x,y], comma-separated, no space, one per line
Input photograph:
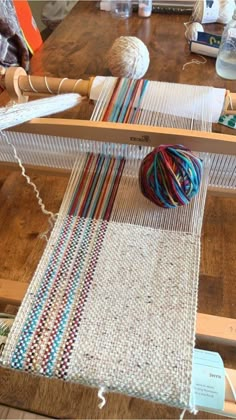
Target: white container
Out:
[226,58]
[145,8]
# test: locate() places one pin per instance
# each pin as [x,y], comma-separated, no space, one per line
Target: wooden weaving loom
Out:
[20,86]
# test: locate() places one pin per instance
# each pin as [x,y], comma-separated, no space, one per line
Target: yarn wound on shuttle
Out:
[128,57]
[170,176]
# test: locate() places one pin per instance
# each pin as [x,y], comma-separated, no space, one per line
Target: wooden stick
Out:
[20,86]
[142,135]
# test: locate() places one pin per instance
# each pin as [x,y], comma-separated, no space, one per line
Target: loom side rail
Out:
[142,135]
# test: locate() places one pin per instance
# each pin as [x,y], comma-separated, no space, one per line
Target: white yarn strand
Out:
[20,113]
[31,85]
[47,85]
[101,392]
[231,385]
[60,85]
[23,172]
[195,61]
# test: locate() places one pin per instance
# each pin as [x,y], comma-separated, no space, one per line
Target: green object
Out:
[228,121]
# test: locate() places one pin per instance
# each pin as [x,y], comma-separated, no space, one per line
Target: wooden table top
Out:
[79,45]
[77,48]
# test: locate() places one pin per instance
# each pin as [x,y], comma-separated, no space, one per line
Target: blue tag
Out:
[208,380]
[209,39]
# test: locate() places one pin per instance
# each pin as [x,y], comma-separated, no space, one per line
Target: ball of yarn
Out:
[199,11]
[192,30]
[170,176]
[226,11]
[128,57]
[223,11]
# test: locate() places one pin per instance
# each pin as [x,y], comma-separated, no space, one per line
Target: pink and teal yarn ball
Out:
[170,176]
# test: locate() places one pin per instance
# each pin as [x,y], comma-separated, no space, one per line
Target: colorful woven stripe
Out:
[96,189]
[125,101]
[69,271]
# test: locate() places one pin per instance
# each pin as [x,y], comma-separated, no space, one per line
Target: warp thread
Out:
[170,176]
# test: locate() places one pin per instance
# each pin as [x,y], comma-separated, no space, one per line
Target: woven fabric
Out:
[112,305]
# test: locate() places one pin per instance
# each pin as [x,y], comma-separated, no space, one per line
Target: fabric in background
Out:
[13,49]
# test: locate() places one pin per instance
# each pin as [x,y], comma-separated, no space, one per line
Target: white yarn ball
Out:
[223,11]
[226,11]
[128,57]
[192,30]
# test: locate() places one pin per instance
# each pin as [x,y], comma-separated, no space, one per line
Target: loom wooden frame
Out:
[210,328]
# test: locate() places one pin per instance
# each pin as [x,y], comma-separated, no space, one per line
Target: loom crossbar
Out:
[134,134]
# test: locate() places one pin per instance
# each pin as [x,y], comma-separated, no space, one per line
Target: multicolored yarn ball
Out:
[170,176]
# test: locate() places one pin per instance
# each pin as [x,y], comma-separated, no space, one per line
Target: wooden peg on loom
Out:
[20,86]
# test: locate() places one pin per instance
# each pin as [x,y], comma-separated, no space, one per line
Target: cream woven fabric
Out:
[112,305]
[137,334]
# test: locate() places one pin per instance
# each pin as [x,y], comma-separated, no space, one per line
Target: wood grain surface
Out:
[78,48]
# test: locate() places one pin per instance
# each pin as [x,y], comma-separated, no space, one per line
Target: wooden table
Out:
[77,48]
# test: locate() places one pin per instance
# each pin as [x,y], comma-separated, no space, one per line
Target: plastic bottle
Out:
[145,8]
[121,8]
[226,58]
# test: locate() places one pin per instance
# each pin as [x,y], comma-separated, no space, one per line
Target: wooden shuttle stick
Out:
[19,86]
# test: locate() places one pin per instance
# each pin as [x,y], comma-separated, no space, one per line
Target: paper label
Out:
[210,11]
[209,39]
[208,380]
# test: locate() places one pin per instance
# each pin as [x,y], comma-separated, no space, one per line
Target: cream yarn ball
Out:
[224,10]
[128,57]
[192,29]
